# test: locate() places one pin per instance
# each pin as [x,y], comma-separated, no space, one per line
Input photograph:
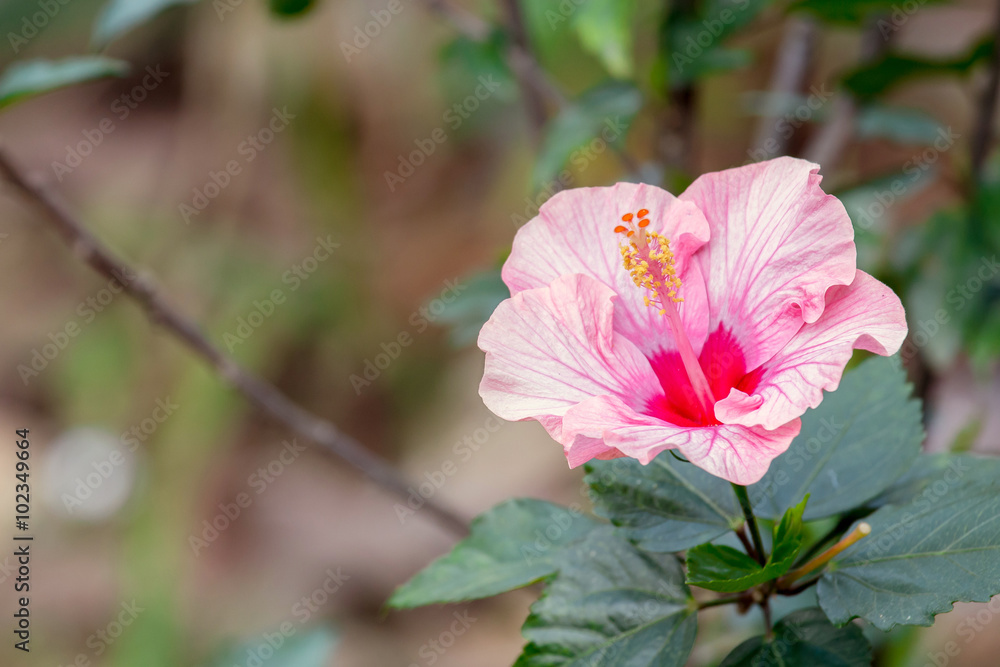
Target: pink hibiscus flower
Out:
[707,323]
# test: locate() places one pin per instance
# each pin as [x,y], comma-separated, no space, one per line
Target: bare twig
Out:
[982,136]
[533,101]
[790,69]
[261,394]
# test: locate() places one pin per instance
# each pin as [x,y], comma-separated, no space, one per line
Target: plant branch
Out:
[742,534]
[259,393]
[982,136]
[741,495]
[534,101]
[718,602]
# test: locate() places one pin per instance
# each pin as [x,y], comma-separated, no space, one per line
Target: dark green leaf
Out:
[612,605]
[941,547]
[692,46]
[855,12]
[892,69]
[33,77]
[804,638]
[859,440]
[927,470]
[603,113]
[290,8]
[667,505]
[728,570]
[120,16]
[605,30]
[512,545]
[722,568]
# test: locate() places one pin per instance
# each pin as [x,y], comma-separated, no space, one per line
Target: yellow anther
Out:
[649,260]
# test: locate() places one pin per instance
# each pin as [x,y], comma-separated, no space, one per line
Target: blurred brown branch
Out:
[258,392]
[982,136]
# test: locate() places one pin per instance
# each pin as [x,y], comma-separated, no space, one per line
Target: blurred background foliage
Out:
[418,135]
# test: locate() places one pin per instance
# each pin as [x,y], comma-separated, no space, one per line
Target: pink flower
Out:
[707,323]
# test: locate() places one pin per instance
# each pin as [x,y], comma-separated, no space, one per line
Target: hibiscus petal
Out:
[866,315]
[548,349]
[778,242]
[574,233]
[739,454]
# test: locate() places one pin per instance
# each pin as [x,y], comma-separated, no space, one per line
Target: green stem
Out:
[741,495]
[718,602]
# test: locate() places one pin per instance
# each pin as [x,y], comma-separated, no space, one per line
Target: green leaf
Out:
[120,16]
[723,569]
[290,8]
[465,316]
[927,470]
[941,547]
[728,570]
[612,605]
[807,638]
[605,30]
[466,62]
[665,506]
[859,440]
[905,126]
[512,545]
[603,113]
[33,77]
[893,69]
